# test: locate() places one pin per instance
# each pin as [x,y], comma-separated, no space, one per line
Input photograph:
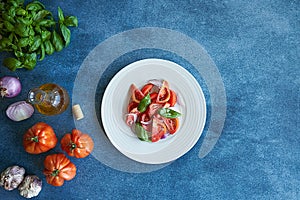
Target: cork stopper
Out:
[77,112]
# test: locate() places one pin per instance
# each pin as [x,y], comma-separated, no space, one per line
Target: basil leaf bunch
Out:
[30,32]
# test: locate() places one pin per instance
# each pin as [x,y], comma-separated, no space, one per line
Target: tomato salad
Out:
[151,112]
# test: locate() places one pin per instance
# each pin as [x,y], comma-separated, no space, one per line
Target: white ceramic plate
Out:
[193,110]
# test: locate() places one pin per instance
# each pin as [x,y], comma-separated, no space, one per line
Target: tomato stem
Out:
[55,172]
[73,146]
[35,139]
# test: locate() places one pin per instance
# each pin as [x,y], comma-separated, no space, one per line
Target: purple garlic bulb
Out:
[31,186]
[12,177]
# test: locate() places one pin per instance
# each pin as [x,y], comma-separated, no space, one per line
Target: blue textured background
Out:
[256,47]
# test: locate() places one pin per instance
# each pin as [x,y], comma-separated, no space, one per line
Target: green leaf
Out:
[141,133]
[42,52]
[60,15]
[30,61]
[22,30]
[12,63]
[168,113]
[144,103]
[45,35]
[57,41]
[25,21]
[71,21]
[8,26]
[41,15]
[35,6]
[66,34]
[49,49]
[23,42]
[36,44]
[21,11]
[47,23]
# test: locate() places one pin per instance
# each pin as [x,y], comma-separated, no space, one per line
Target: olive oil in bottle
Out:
[49,99]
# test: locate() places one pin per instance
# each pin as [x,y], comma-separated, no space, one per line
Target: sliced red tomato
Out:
[137,94]
[131,106]
[171,124]
[163,93]
[173,98]
[158,130]
[153,96]
[147,88]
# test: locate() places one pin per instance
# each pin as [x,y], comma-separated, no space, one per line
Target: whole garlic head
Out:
[31,186]
[12,177]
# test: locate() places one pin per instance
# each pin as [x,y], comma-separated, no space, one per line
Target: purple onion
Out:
[10,86]
[19,111]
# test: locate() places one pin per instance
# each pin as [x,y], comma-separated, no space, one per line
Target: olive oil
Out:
[49,99]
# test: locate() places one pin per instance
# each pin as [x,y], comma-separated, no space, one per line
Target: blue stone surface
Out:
[256,47]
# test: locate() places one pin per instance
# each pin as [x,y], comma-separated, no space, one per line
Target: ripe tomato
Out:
[77,144]
[172,124]
[158,130]
[163,93]
[147,88]
[153,97]
[173,98]
[39,138]
[131,106]
[137,94]
[58,168]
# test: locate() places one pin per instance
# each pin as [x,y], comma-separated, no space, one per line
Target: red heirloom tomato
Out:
[39,138]
[58,168]
[137,94]
[158,130]
[77,144]
[172,124]
[173,98]
[146,89]
[163,93]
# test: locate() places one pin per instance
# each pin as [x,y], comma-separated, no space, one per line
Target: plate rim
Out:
[135,65]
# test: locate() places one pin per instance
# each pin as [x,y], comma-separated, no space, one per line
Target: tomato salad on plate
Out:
[151,111]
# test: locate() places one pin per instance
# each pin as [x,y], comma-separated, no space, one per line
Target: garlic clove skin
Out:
[11,177]
[31,186]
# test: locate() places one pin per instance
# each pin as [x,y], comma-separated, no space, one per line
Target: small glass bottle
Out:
[49,99]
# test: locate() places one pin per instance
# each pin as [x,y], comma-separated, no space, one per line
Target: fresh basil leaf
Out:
[42,52]
[7,17]
[41,15]
[60,15]
[35,6]
[141,133]
[8,26]
[45,35]
[168,113]
[22,30]
[47,23]
[23,42]
[144,103]
[49,49]
[25,21]
[20,11]
[71,21]
[30,61]
[66,34]
[57,41]
[12,63]
[36,44]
